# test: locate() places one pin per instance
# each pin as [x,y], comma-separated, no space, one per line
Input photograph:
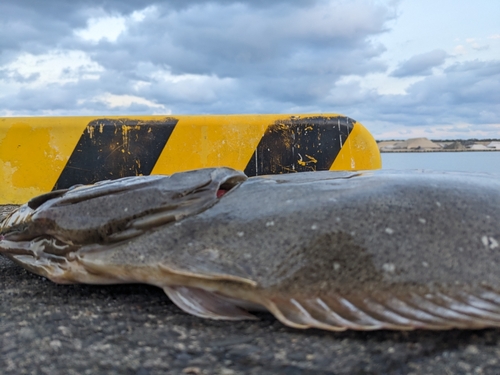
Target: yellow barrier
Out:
[38,154]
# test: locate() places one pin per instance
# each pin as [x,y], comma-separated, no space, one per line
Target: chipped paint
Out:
[126,129]
[358,152]
[90,130]
[35,152]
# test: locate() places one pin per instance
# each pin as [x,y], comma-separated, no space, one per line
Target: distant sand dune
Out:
[424,144]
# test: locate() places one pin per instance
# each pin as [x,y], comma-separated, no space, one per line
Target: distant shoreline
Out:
[426,151]
[426,145]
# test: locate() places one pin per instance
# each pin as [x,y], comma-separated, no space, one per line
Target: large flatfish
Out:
[330,250]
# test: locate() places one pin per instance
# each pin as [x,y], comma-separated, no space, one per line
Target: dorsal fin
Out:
[36,202]
[386,310]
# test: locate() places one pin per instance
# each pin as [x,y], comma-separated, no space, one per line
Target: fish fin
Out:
[37,201]
[385,310]
[217,273]
[31,256]
[205,304]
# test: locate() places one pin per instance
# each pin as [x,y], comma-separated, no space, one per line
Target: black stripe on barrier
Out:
[114,148]
[300,145]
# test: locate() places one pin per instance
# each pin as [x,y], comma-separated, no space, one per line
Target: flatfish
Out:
[331,250]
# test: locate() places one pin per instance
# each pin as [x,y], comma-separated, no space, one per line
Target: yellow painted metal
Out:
[360,152]
[34,150]
[213,141]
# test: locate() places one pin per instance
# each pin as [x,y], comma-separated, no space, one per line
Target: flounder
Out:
[330,250]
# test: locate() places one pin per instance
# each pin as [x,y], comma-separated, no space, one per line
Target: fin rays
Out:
[384,310]
[205,304]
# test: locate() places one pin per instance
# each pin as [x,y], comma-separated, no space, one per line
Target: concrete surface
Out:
[47,328]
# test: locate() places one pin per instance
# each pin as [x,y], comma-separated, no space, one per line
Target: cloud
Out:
[467,92]
[102,28]
[244,41]
[217,56]
[421,65]
[33,25]
[460,50]
[291,55]
[123,101]
[249,56]
[57,66]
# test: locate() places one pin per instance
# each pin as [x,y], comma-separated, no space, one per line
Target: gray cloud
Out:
[227,57]
[466,93]
[421,65]
[219,56]
[234,40]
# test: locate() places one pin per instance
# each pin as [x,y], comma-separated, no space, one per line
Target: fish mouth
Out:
[229,183]
[225,188]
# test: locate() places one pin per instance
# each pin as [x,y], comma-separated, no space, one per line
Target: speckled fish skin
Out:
[330,250]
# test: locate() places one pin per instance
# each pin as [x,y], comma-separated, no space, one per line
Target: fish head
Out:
[45,234]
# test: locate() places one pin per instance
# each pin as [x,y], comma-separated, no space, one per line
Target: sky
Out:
[403,68]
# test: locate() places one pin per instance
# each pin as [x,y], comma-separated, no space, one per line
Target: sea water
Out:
[467,161]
